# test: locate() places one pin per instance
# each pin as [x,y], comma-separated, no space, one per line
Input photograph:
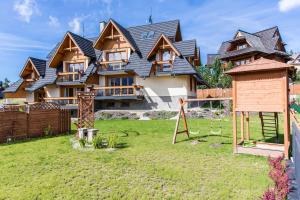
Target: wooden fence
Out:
[29,121]
[214,93]
[219,92]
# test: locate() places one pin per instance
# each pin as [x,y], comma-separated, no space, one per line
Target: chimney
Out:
[102,24]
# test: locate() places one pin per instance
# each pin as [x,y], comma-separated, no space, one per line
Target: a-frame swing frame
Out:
[181,114]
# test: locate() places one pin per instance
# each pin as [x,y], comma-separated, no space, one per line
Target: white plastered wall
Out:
[52,91]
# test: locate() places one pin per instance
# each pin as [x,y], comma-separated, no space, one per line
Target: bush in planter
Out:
[98,142]
[112,140]
[82,142]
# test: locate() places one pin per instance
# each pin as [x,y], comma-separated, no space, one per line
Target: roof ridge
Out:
[153,23]
[30,57]
[79,36]
[266,29]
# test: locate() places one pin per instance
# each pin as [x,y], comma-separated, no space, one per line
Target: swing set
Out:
[215,117]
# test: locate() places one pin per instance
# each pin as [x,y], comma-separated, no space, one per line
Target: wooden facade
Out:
[261,86]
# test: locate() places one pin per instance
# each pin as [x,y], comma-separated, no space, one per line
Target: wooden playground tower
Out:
[261,86]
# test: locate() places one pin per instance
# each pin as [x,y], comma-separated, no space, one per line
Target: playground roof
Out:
[261,64]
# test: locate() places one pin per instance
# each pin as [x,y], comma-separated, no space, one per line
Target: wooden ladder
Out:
[269,124]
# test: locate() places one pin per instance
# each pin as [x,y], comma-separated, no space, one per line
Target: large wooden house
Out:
[246,47]
[141,67]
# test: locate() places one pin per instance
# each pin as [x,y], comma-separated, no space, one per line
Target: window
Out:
[76,68]
[166,55]
[121,81]
[72,92]
[116,56]
[116,59]
[242,62]
[147,35]
[243,46]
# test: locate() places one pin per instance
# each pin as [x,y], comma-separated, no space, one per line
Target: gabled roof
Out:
[121,30]
[186,47]
[14,86]
[264,41]
[85,46]
[49,78]
[138,61]
[155,46]
[38,65]
[261,64]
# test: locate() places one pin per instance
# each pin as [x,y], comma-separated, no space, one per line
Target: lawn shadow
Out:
[34,139]
[122,145]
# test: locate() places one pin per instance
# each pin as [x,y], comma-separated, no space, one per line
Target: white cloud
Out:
[12,42]
[75,25]
[26,8]
[286,5]
[53,21]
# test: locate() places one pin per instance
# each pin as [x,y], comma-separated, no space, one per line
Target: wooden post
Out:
[234,125]
[286,115]
[247,126]
[182,114]
[242,126]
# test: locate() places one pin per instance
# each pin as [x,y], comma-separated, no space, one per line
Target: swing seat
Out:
[217,132]
[194,132]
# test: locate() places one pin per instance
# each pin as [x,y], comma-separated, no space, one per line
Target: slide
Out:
[295,107]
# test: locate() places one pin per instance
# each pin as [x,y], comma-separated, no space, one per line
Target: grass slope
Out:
[147,167]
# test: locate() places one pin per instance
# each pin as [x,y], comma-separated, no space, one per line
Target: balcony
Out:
[163,67]
[134,92]
[68,77]
[113,67]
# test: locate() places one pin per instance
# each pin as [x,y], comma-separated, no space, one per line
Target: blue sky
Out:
[33,27]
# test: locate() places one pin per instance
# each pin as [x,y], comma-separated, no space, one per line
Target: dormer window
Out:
[166,55]
[115,59]
[242,46]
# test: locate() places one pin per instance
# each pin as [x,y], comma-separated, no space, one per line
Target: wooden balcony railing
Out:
[133,90]
[113,65]
[163,66]
[68,76]
[62,100]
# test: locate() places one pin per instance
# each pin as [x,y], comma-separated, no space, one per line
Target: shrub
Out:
[112,140]
[111,115]
[279,175]
[48,130]
[82,142]
[98,142]
[160,114]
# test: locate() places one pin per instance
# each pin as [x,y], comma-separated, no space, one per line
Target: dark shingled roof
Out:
[39,64]
[186,47]
[138,61]
[49,78]
[84,44]
[14,87]
[263,41]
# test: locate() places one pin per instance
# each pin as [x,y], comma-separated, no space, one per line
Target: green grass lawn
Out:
[147,166]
